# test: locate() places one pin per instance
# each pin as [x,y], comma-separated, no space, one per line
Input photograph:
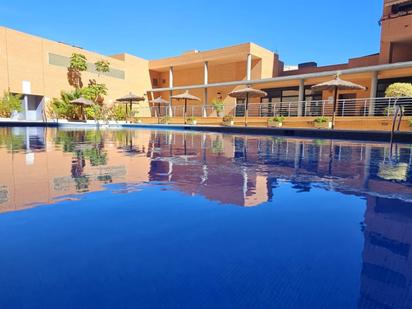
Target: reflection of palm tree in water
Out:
[78,164]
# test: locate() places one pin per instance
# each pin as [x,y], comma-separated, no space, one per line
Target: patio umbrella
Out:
[186,96]
[82,102]
[245,94]
[335,85]
[159,101]
[130,98]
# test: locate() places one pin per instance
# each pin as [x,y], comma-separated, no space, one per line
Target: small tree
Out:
[398,90]
[10,103]
[95,91]
[102,66]
[218,106]
[77,65]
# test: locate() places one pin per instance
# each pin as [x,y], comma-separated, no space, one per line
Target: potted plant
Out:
[322,122]
[164,120]
[218,106]
[276,121]
[191,120]
[228,120]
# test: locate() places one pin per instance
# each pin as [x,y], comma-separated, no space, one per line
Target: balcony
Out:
[366,108]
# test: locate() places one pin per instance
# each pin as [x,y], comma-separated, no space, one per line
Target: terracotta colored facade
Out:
[37,67]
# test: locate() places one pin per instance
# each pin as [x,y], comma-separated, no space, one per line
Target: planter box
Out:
[323,125]
[194,122]
[275,124]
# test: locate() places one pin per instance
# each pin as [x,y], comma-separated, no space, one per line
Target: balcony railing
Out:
[369,107]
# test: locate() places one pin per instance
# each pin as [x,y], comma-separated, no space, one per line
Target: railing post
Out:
[289,110]
[364,108]
[323,108]
[343,108]
[388,108]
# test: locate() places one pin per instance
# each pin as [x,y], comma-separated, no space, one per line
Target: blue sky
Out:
[326,31]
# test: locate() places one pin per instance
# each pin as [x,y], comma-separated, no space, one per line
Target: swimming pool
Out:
[174,219]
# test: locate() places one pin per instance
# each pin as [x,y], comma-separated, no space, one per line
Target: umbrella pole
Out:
[184,115]
[130,116]
[126,114]
[246,108]
[335,103]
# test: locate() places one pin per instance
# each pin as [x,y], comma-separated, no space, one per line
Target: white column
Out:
[301,97]
[26,106]
[206,73]
[206,82]
[170,104]
[249,67]
[372,95]
[171,91]
[171,77]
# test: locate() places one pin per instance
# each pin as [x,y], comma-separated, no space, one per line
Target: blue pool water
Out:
[169,219]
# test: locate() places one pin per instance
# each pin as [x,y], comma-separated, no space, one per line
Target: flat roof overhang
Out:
[369,69]
[231,54]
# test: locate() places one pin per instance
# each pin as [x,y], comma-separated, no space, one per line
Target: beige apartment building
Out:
[37,68]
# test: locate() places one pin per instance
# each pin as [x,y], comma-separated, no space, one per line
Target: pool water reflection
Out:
[171,219]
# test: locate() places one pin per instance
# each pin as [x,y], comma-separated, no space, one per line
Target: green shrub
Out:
[164,120]
[321,119]
[94,112]
[62,108]
[118,112]
[277,119]
[10,103]
[190,119]
[410,123]
[398,90]
[218,106]
[228,118]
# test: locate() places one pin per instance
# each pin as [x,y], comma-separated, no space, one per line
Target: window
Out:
[402,7]
[384,83]
[155,82]
[280,97]
[240,108]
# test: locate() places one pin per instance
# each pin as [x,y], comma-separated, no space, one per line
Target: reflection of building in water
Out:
[204,165]
[238,170]
[386,278]
[51,174]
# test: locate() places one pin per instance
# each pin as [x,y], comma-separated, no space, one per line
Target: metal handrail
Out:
[358,107]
